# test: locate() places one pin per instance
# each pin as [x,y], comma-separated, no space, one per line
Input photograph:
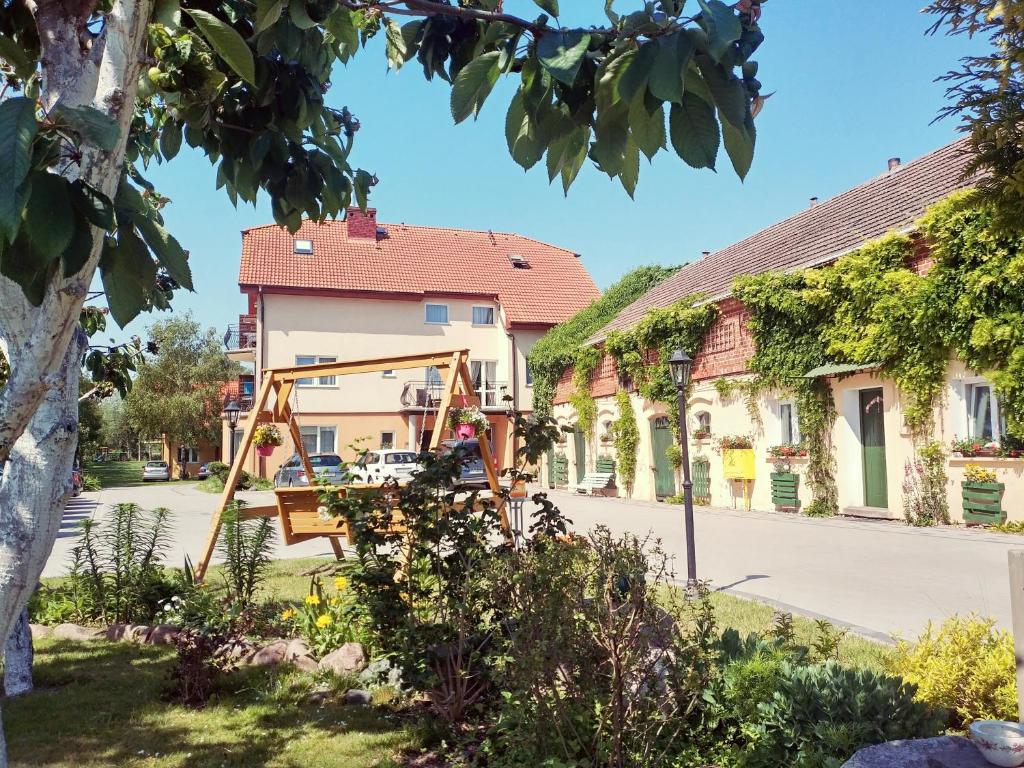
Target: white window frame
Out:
[191,455]
[489,391]
[320,428]
[426,316]
[299,247]
[319,381]
[528,373]
[969,386]
[394,436]
[794,423]
[389,374]
[485,308]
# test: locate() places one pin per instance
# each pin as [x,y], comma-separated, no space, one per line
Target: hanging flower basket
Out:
[465,431]
[467,422]
[264,450]
[266,438]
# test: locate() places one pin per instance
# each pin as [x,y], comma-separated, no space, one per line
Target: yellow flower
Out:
[288,614]
[312,600]
[340,582]
[334,601]
[324,621]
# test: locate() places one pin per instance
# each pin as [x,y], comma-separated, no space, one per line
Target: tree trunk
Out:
[18,655]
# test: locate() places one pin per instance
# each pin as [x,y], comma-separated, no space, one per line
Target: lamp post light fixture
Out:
[231,413]
[680,365]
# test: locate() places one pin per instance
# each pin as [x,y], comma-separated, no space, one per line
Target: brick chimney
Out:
[361,224]
[894,163]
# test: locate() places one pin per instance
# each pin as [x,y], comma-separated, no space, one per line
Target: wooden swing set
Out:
[297,507]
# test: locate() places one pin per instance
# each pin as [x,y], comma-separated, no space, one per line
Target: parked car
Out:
[473,474]
[326,465]
[156,470]
[204,472]
[385,464]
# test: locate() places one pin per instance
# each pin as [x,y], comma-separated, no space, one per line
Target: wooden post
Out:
[1016,560]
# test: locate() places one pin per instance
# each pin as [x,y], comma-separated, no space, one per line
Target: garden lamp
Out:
[680,364]
[231,412]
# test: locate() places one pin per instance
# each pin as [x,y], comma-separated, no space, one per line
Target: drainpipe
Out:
[511,441]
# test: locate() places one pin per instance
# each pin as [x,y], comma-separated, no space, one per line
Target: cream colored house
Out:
[870,440]
[358,289]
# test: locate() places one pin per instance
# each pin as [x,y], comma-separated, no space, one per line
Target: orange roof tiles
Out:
[416,262]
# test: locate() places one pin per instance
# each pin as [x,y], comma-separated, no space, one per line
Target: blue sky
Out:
[854,85]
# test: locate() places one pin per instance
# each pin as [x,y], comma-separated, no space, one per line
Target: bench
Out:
[594,481]
[300,521]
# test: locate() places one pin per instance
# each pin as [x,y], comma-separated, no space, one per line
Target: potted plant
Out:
[787,451]
[972,447]
[266,438]
[702,433]
[467,422]
[737,457]
[982,496]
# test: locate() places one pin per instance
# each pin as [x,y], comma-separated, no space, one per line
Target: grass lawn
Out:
[119,474]
[101,704]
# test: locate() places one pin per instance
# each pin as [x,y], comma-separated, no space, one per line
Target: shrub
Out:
[924,487]
[247,547]
[246,480]
[966,666]
[324,619]
[200,662]
[91,482]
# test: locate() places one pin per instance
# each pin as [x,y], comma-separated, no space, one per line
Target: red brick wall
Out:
[922,260]
[728,344]
[604,382]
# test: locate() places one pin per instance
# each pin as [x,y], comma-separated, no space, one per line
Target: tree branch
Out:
[433,8]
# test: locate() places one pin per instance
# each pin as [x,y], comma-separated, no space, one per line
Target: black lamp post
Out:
[231,412]
[679,364]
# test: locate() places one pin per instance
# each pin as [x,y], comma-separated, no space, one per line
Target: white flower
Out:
[323,512]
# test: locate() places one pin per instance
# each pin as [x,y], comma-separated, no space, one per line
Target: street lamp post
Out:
[231,412]
[680,364]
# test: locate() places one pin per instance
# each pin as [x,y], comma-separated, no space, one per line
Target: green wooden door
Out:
[551,467]
[664,474]
[872,436]
[580,441]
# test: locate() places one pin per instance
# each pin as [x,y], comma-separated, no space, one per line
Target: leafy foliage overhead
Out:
[246,83]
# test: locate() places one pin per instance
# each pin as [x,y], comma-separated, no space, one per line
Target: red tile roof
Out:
[817,235]
[416,262]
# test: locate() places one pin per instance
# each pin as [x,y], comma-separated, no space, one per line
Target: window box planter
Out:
[738,463]
[983,503]
[786,490]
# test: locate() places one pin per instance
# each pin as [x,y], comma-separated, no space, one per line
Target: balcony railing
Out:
[426,395]
[241,335]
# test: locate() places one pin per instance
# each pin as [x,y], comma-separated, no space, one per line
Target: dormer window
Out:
[517,261]
[304,247]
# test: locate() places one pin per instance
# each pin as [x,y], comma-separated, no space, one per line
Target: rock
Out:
[358,697]
[40,631]
[163,634]
[382,672]
[239,652]
[128,633]
[349,659]
[79,633]
[940,752]
[305,664]
[296,649]
[270,655]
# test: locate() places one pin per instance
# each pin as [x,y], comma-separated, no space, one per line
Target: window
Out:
[484,374]
[984,421]
[722,337]
[400,458]
[704,422]
[529,373]
[304,247]
[437,314]
[790,424]
[389,374]
[387,440]
[320,381]
[433,377]
[318,439]
[483,315]
[189,455]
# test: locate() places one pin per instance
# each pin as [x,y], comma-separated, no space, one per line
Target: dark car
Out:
[328,466]
[204,472]
[473,474]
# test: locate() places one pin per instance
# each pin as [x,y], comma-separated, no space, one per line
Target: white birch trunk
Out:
[18,655]
[39,404]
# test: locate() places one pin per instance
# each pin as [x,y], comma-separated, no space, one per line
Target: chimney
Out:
[705,254]
[894,163]
[361,225]
[814,201]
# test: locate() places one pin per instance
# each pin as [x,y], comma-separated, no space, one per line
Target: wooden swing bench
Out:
[296,508]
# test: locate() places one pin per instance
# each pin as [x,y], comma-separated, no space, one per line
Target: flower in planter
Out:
[702,433]
[735,443]
[470,415]
[267,434]
[975,474]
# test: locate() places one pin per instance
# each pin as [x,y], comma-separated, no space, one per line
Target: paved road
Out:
[877,577]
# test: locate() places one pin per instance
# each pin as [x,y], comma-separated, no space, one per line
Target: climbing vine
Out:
[587,360]
[627,440]
[557,351]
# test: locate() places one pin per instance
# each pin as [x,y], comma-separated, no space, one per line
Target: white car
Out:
[156,470]
[385,464]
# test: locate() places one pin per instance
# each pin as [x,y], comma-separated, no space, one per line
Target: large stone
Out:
[128,633]
[163,634]
[40,631]
[270,655]
[940,752]
[349,659]
[297,648]
[358,697]
[76,632]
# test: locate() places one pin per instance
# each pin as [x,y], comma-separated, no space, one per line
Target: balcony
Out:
[240,339]
[422,396]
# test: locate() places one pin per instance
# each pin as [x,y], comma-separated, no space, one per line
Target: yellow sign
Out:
[739,463]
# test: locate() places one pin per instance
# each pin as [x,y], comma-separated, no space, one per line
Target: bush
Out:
[966,666]
[91,482]
[324,619]
[247,547]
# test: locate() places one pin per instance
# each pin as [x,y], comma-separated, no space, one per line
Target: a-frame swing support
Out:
[272,407]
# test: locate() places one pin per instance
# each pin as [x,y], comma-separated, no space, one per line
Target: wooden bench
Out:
[300,521]
[594,481]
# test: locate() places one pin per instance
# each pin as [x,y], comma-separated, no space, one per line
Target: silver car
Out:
[156,470]
[328,466]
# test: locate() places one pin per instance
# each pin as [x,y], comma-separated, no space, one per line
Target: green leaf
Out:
[170,139]
[79,249]
[167,249]
[361,186]
[267,13]
[726,89]
[694,131]
[400,42]
[520,135]
[722,25]
[575,158]
[473,84]
[92,204]
[629,173]
[634,77]
[667,76]
[647,128]
[299,15]
[15,56]
[227,43]
[18,129]
[128,274]
[49,216]
[91,124]
[344,30]
[561,51]
[548,6]
[739,144]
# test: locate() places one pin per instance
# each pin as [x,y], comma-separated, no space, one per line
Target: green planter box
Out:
[786,489]
[983,503]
